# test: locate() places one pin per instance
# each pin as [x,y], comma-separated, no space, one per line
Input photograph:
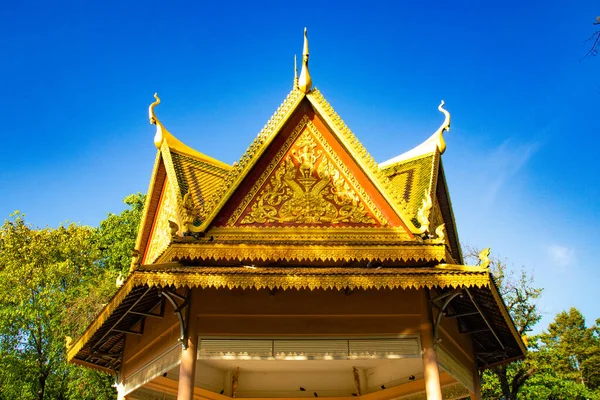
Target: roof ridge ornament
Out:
[433,143]
[158,137]
[445,127]
[295,73]
[305,82]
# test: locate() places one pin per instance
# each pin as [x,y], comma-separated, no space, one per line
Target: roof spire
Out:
[305,82]
[295,73]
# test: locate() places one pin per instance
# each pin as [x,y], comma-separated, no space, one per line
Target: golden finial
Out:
[151,114]
[295,73]
[304,82]
[159,136]
[484,258]
[439,134]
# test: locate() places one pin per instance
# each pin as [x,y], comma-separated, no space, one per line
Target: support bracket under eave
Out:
[181,308]
[448,297]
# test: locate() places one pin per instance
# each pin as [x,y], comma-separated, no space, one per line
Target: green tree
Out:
[520,295]
[567,359]
[52,283]
[117,233]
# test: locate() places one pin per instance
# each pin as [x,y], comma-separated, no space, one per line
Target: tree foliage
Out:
[52,283]
[562,363]
[567,360]
[520,295]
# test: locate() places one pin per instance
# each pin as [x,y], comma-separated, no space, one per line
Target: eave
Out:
[140,294]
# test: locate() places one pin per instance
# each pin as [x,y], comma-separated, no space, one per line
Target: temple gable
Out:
[307,184]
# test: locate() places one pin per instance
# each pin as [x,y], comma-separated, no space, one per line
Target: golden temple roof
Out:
[306,207]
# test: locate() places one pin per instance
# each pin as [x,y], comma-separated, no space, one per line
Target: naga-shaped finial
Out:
[151,114]
[439,134]
[158,137]
[484,258]
[305,82]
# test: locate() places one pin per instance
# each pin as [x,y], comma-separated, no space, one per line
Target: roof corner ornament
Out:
[440,233]
[68,342]
[422,216]
[158,137]
[190,215]
[484,258]
[439,134]
[305,82]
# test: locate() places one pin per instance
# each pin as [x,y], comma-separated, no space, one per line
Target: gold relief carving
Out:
[161,234]
[356,148]
[308,189]
[287,252]
[244,164]
[278,156]
[436,218]
[440,233]
[327,233]
[190,214]
[422,216]
[311,281]
[311,185]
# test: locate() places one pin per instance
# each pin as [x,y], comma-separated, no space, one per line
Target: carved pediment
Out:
[307,184]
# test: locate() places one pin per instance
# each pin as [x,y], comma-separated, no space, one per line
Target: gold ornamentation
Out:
[190,214]
[296,252]
[423,214]
[440,233]
[305,81]
[308,189]
[295,74]
[120,280]
[484,258]
[162,231]
[317,234]
[159,136]
[304,278]
[68,342]
[445,127]
[341,184]
[359,153]
[243,166]
[174,229]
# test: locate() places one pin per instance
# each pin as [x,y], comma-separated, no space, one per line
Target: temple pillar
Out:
[476,393]
[433,388]
[187,368]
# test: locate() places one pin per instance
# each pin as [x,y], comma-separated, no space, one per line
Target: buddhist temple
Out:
[305,269]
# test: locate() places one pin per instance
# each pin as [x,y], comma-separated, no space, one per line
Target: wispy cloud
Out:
[561,256]
[505,162]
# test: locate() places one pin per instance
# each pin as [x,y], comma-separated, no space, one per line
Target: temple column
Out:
[476,393]
[433,388]
[187,368]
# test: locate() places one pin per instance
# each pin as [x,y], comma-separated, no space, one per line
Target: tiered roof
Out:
[306,206]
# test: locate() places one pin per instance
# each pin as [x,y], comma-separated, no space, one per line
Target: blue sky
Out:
[77,78]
